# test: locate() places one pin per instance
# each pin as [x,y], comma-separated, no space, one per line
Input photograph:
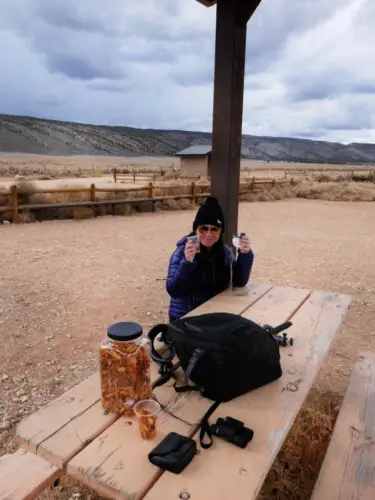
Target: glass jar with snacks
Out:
[124,368]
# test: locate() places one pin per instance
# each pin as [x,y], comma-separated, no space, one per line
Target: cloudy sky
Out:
[310,65]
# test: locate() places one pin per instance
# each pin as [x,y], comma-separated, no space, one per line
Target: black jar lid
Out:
[124,331]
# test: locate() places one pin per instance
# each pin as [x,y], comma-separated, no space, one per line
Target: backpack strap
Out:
[155,355]
[205,426]
[197,354]
[165,362]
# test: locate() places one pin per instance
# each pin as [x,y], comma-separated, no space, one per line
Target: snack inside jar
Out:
[124,368]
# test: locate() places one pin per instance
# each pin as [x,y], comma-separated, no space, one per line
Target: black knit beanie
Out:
[210,213]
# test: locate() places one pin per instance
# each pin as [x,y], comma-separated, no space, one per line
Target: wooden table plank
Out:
[49,419]
[348,470]
[23,476]
[269,411]
[60,447]
[278,305]
[235,302]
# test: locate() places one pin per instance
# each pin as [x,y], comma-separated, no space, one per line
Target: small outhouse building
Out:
[195,161]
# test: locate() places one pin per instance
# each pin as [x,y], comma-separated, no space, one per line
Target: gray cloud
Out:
[119,86]
[73,67]
[59,16]
[151,64]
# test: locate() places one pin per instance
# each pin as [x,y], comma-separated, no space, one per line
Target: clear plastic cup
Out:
[147,411]
[236,241]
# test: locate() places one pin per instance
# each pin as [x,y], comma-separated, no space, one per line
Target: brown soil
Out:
[64,282]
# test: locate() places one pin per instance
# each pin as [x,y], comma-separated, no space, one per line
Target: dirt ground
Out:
[64,282]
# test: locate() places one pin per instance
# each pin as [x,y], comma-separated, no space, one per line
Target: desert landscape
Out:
[65,281]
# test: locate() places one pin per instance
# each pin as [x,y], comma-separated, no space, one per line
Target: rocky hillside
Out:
[20,134]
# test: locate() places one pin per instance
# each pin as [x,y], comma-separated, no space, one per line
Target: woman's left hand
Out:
[245,245]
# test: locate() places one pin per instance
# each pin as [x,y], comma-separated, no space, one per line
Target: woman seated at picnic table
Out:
[200,270]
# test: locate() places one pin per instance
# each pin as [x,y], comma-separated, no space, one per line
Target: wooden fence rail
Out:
[351,174]
[14,207]
[133,177]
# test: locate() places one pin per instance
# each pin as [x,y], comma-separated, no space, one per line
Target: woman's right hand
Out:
[191,250]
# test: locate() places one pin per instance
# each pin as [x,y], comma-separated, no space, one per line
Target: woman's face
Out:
[208,235]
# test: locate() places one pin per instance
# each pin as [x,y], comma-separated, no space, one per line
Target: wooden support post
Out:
[252,184]
[92,192]
[133,176]
[194,199]
[14,202]
[115,175]
[150,190]
[231,20]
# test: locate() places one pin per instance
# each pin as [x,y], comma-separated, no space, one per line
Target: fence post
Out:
[92,192]
[14,202]
[252,184]
[194,199]
[150,190]
[115,175]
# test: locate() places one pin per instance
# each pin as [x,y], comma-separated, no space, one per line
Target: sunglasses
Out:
[206,229]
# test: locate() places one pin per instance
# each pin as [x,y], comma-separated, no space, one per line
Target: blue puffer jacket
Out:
[190,287]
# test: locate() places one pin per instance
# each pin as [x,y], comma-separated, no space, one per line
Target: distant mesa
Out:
[22,134]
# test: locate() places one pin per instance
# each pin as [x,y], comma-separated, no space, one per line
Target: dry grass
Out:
[296,468]
[330,191]
[26,190]
[345,176]
[333,191]
[35,168]
[324,190]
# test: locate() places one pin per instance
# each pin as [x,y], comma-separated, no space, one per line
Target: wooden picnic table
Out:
[107,453]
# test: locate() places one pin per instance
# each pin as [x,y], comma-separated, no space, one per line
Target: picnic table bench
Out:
[107,453]
[348,469]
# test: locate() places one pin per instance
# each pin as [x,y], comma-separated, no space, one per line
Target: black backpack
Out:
[223,354]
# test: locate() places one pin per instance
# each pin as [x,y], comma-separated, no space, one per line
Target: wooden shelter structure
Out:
[230,49]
